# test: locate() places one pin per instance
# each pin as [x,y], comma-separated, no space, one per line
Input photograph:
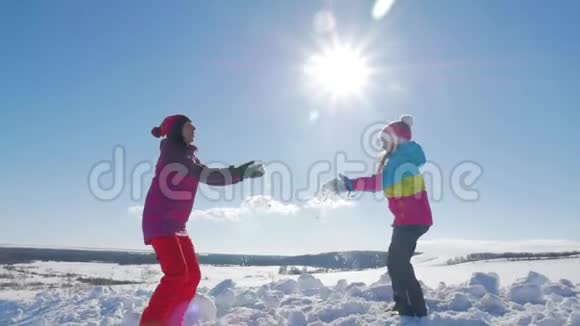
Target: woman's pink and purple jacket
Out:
[170,198]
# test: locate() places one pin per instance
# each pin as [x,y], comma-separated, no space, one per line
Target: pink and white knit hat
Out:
[398,131]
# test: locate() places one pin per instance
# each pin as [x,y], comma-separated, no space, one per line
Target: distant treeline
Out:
[513,256]
[334,260]
[10,255]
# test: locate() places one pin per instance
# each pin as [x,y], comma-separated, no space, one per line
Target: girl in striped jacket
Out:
[399,178]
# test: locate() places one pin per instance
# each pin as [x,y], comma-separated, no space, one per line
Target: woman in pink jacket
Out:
[167,208]
[399,178]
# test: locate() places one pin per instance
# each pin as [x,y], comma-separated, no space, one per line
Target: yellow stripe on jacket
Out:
[407,187]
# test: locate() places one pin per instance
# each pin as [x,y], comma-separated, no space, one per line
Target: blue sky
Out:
[490,81]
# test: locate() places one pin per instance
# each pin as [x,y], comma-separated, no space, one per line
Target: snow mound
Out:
[459,302]
[222,287]
[492,304]
[308,282]
[533,300]
[286,286]
[490,281]
[526,293]
[563,288]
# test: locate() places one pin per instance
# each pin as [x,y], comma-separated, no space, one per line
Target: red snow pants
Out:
[171,299]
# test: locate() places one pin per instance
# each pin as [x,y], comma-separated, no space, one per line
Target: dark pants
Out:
[407,291]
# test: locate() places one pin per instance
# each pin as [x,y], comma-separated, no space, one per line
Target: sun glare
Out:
[339,71]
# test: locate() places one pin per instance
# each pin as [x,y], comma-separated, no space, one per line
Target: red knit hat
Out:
[168,124]
[398,130]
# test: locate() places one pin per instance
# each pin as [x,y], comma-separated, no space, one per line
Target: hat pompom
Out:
[408,120]
[156,132]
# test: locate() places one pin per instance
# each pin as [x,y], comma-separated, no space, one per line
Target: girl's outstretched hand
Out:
[338,185]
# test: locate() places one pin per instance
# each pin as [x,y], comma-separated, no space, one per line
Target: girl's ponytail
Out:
[382,160]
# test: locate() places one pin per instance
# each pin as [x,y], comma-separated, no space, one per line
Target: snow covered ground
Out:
[479,293]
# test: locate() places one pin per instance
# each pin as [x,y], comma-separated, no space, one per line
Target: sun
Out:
[339,70]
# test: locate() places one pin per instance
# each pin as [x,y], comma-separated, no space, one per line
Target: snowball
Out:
[202,309]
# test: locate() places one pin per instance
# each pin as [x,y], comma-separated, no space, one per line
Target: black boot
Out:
[406,311]
[401,308]
[417,299]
